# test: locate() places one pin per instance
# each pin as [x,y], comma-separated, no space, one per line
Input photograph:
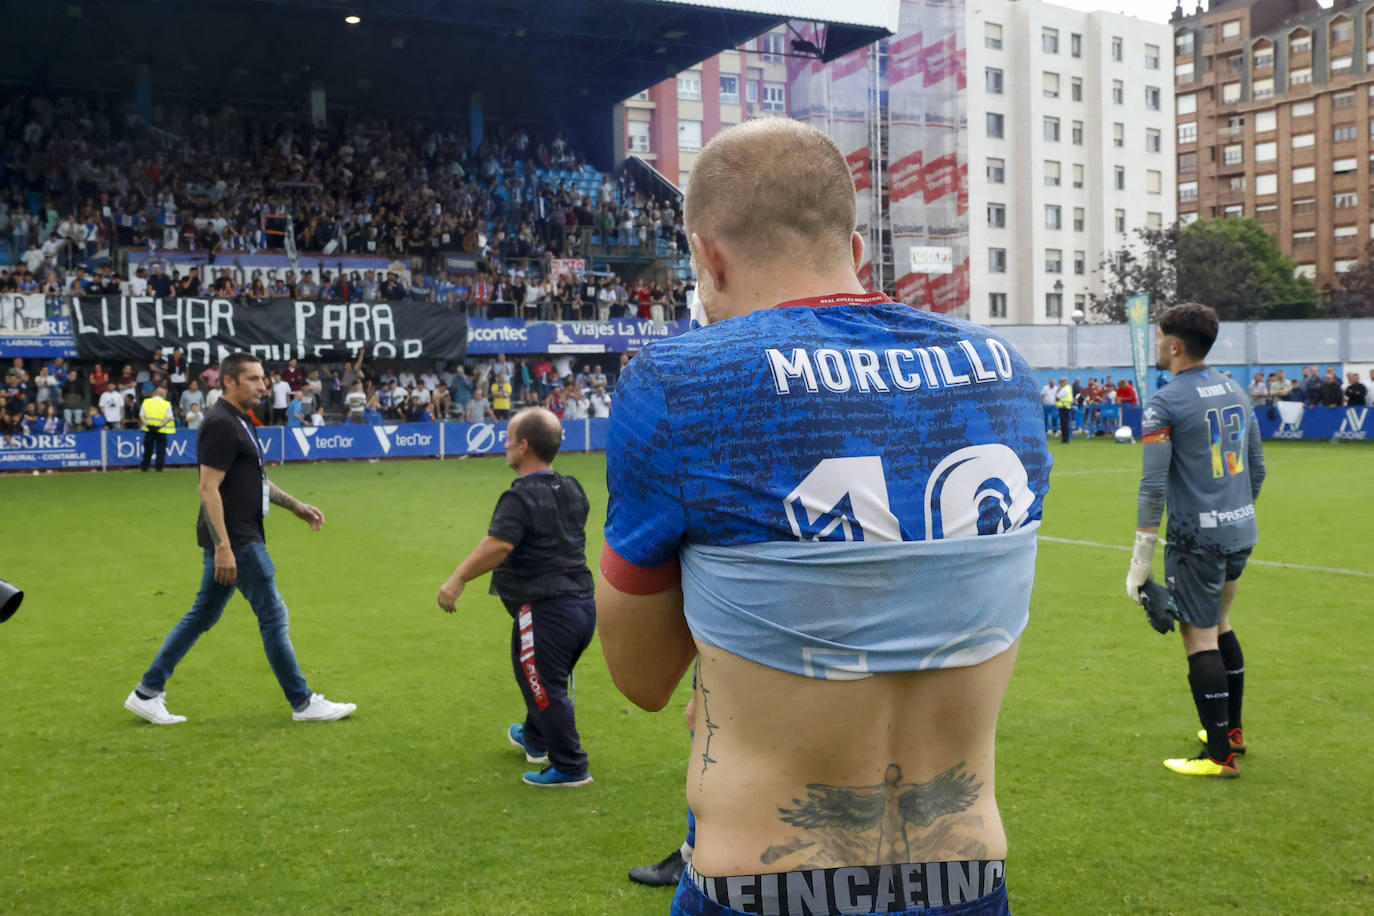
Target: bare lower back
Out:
[790,772]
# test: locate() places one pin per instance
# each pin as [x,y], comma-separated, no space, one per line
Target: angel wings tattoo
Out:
[873,824]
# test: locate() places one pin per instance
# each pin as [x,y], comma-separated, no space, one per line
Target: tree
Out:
[1351,293]
[1234,265]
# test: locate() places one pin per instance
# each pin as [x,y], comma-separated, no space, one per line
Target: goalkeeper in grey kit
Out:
[1202,453]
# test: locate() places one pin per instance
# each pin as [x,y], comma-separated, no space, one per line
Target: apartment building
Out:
[669,123]
[1070,149]
[1273,102]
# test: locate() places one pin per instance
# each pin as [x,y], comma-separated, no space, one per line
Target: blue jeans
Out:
[257,580]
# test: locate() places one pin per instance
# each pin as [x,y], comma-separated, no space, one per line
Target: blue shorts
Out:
[833,891]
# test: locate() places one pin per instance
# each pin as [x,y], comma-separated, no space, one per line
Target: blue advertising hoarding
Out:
[54,338]
[487,336]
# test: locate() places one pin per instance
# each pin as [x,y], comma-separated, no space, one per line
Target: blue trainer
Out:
[549,776]
[516,734]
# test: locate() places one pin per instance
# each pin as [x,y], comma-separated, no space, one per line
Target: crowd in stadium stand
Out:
[80,175]
[39,397]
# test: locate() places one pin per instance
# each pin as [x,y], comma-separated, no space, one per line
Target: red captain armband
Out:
[1156,435]
[631,579]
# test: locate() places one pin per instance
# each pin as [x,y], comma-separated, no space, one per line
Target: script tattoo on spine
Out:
[205,514]
[892,823]
[711,727]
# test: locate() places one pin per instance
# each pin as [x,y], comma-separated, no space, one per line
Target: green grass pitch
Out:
[414,805]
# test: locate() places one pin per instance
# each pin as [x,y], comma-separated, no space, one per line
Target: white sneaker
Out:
[154,710]
[322,710]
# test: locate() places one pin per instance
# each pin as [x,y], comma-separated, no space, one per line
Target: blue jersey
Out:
[850,485]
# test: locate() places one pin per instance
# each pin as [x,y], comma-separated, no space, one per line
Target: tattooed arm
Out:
[303,511]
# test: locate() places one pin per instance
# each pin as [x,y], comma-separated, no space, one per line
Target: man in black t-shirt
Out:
[234,496]
[536,551]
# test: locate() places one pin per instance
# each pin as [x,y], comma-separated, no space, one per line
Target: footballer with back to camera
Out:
[855,592]
[1202,455]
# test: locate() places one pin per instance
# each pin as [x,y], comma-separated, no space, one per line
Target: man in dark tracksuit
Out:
[536,550]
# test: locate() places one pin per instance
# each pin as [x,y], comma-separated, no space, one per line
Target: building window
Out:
[997,260]
[992,36]
[1345,166]
[1079,219]
[1076,89]
[1266,184]
[1187,190]
[1340,66]
[1054,261]
[1304,174]
[1053,218]
[1152,57]
[1049,41]
[1346,200]
[751,91]
[1052,129]
[729,90]
[992,78]
[1300,44]
[774,97]
[1152,98]
[1343,132]
[1051,174]
[1118,135]
[1183,43]
[997,171]
[997,305]
[1080,263]
[1266,121]
[1154,181]
[1075,44]
[1187,133]
[688,135]
[1120,220]
[1236,184]
[995,124]
[1077,133]
[1233,210]
[1303,141]
[773,46]
[1264,59]
[1230,92]
[682,179]
[1119,177]
[1300,76]
[1232,154]
[637,132]
[1118,50]
[1343,100]
[1186,104]
[1049,85]
[1154,141]
[1230,30]
[1346,232]
[689,86]
[1262,89]
[1187,163]
[1183,72]
[1301,109]
[1118,92]
[1266,152]
[1342,30]
[1305,205]
[1054,305]
[1303,239]
[1187,219]
[997,216]
[1078,174]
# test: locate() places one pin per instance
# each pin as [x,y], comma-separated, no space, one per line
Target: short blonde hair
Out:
[774,188]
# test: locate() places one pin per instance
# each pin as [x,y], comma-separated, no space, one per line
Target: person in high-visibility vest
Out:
[156,418]
[1063,399]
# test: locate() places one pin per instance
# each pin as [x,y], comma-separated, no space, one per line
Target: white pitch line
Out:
[1326,569]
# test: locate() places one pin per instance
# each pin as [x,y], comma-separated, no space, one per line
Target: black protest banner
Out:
[127,328]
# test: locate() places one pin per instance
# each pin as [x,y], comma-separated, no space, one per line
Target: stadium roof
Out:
[561,62]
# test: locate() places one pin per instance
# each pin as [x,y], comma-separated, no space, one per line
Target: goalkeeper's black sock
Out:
[1234,661]
[1207,677]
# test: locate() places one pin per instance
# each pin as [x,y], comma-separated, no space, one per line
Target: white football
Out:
[1124,435]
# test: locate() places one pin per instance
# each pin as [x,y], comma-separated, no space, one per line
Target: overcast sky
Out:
[1156,10]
